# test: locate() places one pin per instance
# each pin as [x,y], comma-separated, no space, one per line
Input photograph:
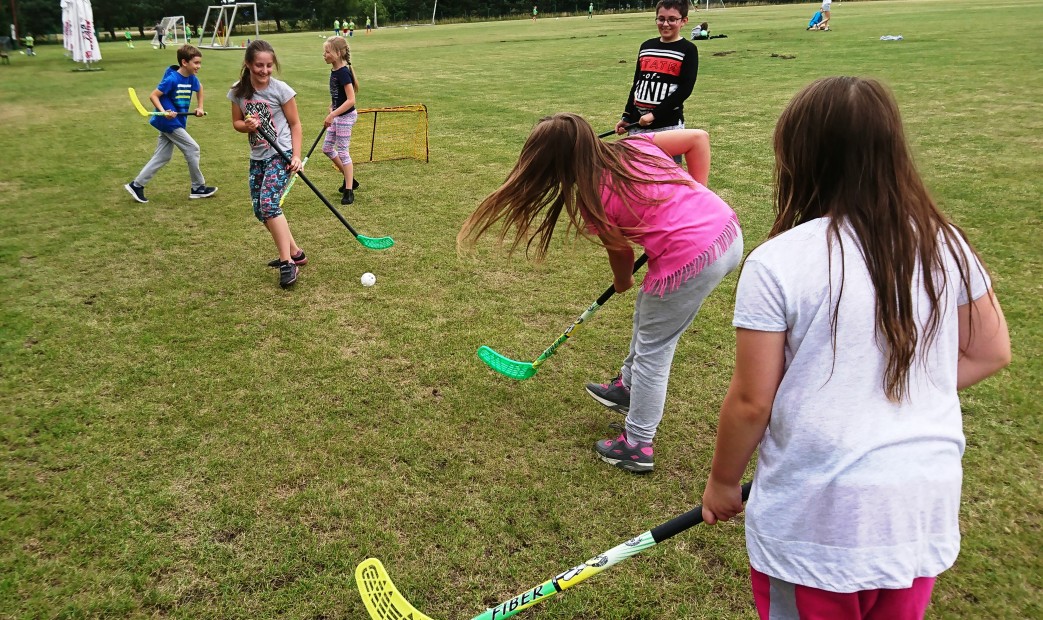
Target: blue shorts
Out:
[268,179]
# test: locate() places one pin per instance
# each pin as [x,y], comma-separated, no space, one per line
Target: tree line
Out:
[43,17]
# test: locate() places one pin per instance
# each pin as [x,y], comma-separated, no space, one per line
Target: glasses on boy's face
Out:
[673,21]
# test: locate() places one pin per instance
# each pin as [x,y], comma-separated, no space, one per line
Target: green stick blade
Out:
[505,365]
[376,243]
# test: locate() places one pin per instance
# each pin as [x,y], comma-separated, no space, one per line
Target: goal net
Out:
[173,29]
[398,132]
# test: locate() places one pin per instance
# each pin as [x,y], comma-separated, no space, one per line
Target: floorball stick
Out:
[373,243]
[142,111]
[383,601]
[523,370]
[612,132]
[293,180]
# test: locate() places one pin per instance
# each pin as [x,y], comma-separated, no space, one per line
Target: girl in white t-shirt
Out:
[266,109]
[857,322]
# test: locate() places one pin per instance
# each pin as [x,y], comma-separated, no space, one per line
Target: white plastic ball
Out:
[368,279]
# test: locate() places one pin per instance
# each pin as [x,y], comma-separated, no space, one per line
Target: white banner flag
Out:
[81,23]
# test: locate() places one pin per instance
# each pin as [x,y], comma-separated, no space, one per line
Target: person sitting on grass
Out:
[815,22]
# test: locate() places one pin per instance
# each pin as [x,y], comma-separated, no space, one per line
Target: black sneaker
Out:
[287,274]
[202,191]
[613,394]
[300,260]
[343,186]
[633,457]
[348,197]
[137,191]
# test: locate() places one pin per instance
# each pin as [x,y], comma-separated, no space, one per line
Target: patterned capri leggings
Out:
[338,137]
[268,179]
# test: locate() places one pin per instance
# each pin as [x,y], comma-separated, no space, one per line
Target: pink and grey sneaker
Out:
[633,457]
[613,394]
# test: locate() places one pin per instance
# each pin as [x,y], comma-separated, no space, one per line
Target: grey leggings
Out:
[658,325]
[165,149]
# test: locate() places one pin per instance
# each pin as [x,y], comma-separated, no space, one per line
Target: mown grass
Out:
[182,438]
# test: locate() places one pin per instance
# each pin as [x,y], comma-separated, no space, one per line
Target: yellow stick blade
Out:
[382,599]
[137,103]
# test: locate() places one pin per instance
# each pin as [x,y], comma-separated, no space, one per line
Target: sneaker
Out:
[343,186]
[633,457]
[348,197]
[137,191]
[300,260]
[287,274]
[202,191]
[613,394]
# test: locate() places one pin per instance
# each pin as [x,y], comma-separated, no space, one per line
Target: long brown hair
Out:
[841,152]
[244,87]
[339,46]
[561,168]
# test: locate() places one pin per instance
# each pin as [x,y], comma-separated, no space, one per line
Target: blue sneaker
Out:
[633,457]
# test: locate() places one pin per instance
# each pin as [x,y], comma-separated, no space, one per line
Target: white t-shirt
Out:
[267,104]
[852,492]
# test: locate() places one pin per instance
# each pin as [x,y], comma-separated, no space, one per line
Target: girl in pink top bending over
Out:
[626,192]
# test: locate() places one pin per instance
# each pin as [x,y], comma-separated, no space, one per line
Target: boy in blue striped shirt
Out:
[172,96]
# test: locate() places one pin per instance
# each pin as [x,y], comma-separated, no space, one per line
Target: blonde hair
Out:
[339,46]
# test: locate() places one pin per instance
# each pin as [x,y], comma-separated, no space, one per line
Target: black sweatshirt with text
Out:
[663,78]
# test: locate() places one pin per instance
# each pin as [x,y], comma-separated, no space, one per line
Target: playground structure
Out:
[219,34]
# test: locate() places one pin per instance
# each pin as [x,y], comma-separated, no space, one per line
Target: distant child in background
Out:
[30,42]
[351,28]
[130,39]
[625,192]
[199,34]
[664,77]
[701,32]
[336,27]
[858,321]
[826,5]
[369,25]
[343,86]
[266,108]
[815,22]
[173,95]
[161,35]
[590,11]
[534,13]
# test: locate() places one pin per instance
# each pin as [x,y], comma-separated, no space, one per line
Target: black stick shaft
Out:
[322,132]
[689,519]
[641,260]
[264,134]
[612,132]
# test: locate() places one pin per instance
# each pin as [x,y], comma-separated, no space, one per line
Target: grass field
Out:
[181,438]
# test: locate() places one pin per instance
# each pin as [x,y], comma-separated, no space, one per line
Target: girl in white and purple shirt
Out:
[626,192]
